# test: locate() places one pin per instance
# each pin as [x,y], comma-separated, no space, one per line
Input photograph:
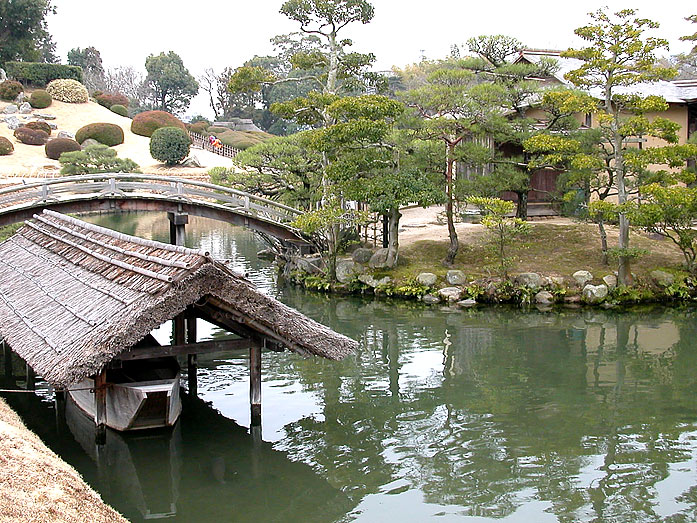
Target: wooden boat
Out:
[142,394]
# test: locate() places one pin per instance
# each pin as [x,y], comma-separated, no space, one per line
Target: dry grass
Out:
[38,486]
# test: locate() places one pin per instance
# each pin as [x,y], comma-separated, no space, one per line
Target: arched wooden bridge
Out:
[138,192]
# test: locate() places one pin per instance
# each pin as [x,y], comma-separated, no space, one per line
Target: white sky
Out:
[224,33]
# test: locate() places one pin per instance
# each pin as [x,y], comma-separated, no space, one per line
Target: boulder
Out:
[45,116]
[595,293]
[312,265]
[544,298]
[25,108]
[427,278]
[66,134]
[191,161]
[88,142]
[10,109]
[662,278]
[371,281]
[13,123]
[347,270]
[455,277]
[530,279]
[582,277]
[466,304]
[362,255]
[450,294]
[557,280]
[21,97]
[52,125]
[379,259]
[610,280]
[574,299]
[430,299]
[3,75]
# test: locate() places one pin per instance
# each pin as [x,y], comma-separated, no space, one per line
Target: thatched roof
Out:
[73,296]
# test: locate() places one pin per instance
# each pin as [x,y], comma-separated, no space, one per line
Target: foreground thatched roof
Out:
[37,485]
[74,295]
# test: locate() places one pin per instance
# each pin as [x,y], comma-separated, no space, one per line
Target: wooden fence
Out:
[201,141]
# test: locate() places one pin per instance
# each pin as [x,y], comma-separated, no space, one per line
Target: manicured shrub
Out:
[39,126]
[106,133]
[70,91]
[39,74]
[96,159]
[6,146]
[198,127]
[9,89]
[241,139]
[119,109]
[217,130]
[144,124]
[58,146]
[170,145]
[109,99]
[40,99]
[30,136]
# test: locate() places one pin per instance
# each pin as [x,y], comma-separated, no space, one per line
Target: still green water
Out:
[443,415]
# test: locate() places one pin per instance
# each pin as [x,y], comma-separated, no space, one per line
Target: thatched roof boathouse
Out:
[74,297]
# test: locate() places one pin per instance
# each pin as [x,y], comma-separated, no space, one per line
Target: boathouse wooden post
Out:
[31,378]
[8,359]
[100,407]
[255,383]
[192,362]
[177,236]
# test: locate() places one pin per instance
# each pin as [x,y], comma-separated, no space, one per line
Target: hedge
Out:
[40,99]
[58,146]
[144,124]
[39,125]
[105,133]
[109,99]
[119,109]
[170,145]
[69,91]
[40,74]
[9,89]
[6,146]
[31,136]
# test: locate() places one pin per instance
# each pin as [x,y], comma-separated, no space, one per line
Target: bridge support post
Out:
[177,227]
[255,384]
[192,363]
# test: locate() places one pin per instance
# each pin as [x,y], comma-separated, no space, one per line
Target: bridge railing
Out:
[124,186]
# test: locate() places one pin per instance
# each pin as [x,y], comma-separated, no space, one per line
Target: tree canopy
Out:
[24,35]
[171,85]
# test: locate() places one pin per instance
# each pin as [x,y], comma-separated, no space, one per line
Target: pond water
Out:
[443,415]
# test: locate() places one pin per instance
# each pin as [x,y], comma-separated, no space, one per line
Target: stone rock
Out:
[466,304]
[610,280]
[347,270]
[45,116]
[88,142]
[544,298]
[557,280]
[10,109]
[311,265]
[66,134]
[575,299]
[530,279]
[427,278]
[379,259]
[450,294]
[3,75]
[430,299]
[52,125]
[662,278]
[25,108]
[13,122]
[582,277]
[455,277]
[191,161]
[362,255]
[370,280]
[595,293]
[21,98]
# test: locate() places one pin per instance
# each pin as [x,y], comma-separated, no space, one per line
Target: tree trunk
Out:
[393,217]
[452,233]
[522,206]
[603,241]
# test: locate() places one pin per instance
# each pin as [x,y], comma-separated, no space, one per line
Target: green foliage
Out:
[170,145]
[243,139]
[39,125]
[89,59]
[248,78]
[119,109]
[69,91]
[630,253]
[40,74]
[109,99]
[9,89]
[199,127]
[6,146]
[96,159]
[146,123]
[58,146]
[105,133]
[31,136]
[24,32]
[172,85]
[40,99]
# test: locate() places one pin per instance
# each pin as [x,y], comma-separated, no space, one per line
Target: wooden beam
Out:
[192,364]
[255,384]
[8,359]
[140,353]
[100,407]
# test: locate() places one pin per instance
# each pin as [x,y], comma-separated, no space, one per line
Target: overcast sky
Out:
[226,33]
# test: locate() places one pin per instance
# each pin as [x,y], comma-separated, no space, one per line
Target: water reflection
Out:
[471,415]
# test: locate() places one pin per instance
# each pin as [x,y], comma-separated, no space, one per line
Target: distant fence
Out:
[201,141]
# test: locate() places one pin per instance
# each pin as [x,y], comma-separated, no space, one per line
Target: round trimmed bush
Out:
[107,133]
[119,109]
[58,146]
[6,146]
[9,89]
[218,130]
[30,136]
[109,99]
[144,124]
[198,127]
[40,99]
[170,145]
[39,126]
[66,90]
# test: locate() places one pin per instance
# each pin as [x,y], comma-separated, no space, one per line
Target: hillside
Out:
[30,161]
